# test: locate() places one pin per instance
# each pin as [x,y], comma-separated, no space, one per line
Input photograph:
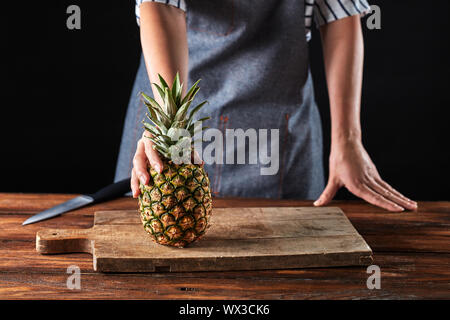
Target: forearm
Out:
[164,42]
[343,50]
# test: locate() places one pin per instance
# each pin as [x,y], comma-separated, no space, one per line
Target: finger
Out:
[391,196]
[196,158]
[395,192]
[152,155]
[366,193]
[140,163]
[134,184]
[327,194]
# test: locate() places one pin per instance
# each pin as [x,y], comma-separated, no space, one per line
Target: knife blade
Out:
[107,193]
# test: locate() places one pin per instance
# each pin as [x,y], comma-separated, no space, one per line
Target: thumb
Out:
[196,158]
[327,194]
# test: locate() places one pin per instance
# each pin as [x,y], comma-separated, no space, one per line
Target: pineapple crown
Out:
[170,126]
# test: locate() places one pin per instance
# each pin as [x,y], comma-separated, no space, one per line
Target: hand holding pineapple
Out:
[174,198]
[144,157]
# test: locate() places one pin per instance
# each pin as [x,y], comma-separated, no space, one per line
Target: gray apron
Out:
[252,57]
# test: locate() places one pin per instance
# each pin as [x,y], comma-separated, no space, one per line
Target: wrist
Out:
[345,138]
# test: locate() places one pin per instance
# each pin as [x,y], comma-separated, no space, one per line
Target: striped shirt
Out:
[321,11]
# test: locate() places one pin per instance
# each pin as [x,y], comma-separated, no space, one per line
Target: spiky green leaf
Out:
[160,125]
[176,89]
[190,92]
[160,90]
[152,129]
[167,106]
[163,151]
[182,111]
[194,111]
[157,142]
[203,119]
[173,104]
[160,114]
[163,82]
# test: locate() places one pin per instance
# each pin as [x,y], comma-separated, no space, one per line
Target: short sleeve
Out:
[326,11]
[180,4]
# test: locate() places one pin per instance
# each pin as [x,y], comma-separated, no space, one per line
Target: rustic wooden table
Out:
[412,249]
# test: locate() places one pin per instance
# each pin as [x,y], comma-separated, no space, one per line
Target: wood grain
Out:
[239,239]
[411,248]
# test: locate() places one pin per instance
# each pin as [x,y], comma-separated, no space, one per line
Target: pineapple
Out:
[175,207]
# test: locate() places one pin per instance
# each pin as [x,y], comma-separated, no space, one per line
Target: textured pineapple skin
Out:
[175,207]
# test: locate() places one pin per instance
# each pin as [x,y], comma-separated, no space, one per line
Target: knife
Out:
[107,193]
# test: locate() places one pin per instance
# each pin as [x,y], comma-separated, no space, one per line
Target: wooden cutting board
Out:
[239,239]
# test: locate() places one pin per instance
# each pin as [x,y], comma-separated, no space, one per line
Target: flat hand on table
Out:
[351,167]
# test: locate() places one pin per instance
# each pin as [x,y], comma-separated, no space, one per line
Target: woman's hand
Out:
[351,167]
[145,155]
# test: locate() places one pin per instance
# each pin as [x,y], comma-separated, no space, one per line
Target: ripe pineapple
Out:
[175,207]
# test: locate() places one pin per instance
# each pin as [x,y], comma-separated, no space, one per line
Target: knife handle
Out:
[112,191]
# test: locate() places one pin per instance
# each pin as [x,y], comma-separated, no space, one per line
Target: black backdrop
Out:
[65,93]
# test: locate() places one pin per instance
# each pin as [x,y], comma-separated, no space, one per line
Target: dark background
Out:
[65,92]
